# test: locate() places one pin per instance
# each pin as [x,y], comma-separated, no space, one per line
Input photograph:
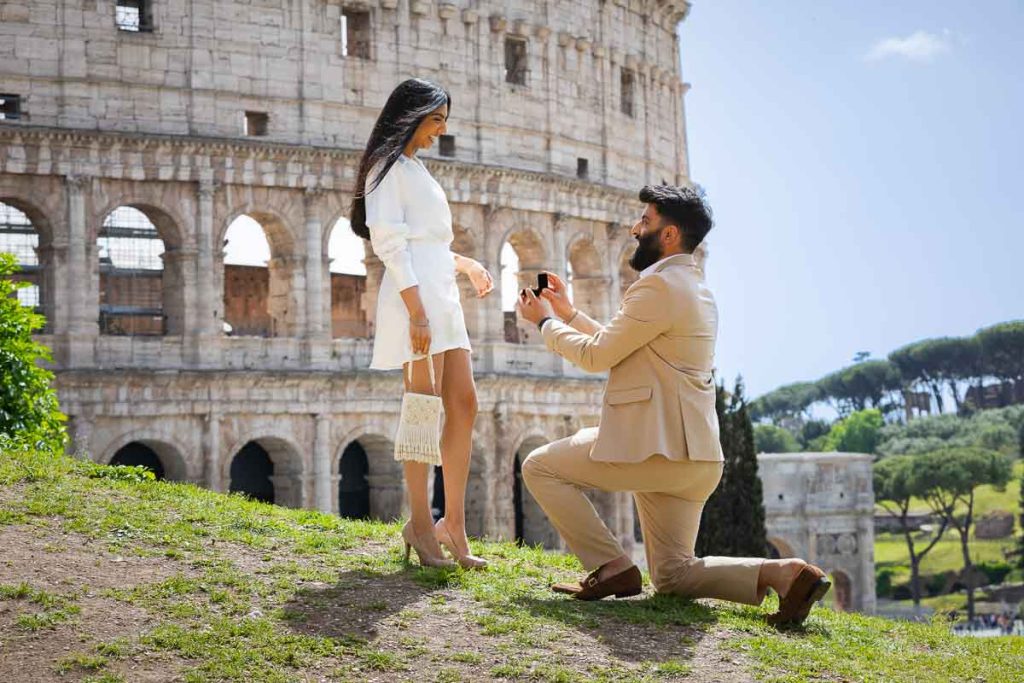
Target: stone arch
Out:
[384,477]
[530,524]
[842,591]
[172,228]
[170,453]
[587,279]
[780,548]
[286,476]
[141,272]
[22,235]
[522,255]
[345,270]
[264,301]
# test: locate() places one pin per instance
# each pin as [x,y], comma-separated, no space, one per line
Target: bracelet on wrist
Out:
[575,312]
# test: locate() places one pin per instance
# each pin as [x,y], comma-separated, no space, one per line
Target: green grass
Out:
[268,618]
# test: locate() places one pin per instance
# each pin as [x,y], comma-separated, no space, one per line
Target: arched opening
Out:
[18,236]
[247,280]
[842,591]
[521,259]
[380,486]
[133,276]
[346,252]
[588,281]
[779,549]
[252,473]
[140,455]
[531,526]
[353,483]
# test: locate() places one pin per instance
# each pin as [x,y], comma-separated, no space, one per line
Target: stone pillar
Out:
[374,275]
[493,317]
[53,280]
[286,297]
[560,236]
[81,286]
[179,291]
[80,433]
[211,453]
[322,463]
[208,298]
[315,326]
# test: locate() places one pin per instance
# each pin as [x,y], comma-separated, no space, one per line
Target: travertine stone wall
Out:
[154,120]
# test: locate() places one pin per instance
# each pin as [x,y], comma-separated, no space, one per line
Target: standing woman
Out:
[404,213]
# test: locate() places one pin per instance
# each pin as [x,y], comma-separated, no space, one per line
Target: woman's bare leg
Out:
[417,473]
[460,408]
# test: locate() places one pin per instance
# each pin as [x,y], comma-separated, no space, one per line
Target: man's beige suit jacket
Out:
[659,351]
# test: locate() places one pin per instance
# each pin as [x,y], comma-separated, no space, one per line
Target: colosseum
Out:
[143,139]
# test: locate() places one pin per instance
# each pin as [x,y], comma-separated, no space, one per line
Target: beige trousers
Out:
[669,495]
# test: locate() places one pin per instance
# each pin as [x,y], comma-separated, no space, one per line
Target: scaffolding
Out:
[19,237]
[131,275]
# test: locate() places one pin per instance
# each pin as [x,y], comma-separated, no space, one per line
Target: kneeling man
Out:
[658,435]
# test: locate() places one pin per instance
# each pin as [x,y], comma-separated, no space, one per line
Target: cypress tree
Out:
[733,522]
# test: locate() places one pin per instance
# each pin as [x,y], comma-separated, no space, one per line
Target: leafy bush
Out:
[998,429]
[29,413]
[995,570]
[883,581]
[857,433]
[771,439]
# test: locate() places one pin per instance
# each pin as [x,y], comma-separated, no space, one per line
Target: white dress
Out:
[411,233]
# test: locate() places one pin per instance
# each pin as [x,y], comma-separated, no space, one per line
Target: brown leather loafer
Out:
[809,586]
[622,585]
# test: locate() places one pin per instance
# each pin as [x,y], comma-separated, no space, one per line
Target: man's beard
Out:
[648,251]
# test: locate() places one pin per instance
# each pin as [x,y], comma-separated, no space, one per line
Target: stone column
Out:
[286,297]
[82,283]
[322,463]
[374,275]
[211,453]
[314,263]
[560,236]
[53,283]
[494,320]
[80,433]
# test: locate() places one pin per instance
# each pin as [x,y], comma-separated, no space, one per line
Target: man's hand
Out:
[557,294]
[531,308]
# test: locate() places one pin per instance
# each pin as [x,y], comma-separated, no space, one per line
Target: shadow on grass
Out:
[358,601]
[657,628]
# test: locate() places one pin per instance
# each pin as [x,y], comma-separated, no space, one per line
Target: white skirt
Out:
[435,271]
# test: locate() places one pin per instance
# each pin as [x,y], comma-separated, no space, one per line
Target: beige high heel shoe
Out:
[423,549]
[466,561]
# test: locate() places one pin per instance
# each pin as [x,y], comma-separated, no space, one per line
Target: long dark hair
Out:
[411,102]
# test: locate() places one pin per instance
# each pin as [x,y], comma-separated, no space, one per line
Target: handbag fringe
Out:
[418,443]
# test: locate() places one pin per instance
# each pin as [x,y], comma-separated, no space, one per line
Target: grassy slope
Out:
[150,581]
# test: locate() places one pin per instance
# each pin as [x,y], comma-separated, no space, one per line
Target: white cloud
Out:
[920,46]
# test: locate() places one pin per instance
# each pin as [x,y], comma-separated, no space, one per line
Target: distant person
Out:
[658,433]
[404,213]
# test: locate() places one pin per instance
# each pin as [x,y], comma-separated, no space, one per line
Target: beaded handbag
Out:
[419,425]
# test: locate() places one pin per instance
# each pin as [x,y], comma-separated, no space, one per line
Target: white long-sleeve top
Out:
[411,233]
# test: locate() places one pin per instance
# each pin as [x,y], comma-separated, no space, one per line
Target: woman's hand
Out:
[419,335]
[557,294]
[481,279]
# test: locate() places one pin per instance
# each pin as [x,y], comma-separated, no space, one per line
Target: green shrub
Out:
[29,414]
[771,439]
[883,581]
[857,433]
[995,570]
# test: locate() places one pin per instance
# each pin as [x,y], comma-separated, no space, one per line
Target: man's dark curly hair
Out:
[682,207]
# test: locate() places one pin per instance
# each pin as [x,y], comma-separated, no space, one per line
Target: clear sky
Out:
[864,162]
